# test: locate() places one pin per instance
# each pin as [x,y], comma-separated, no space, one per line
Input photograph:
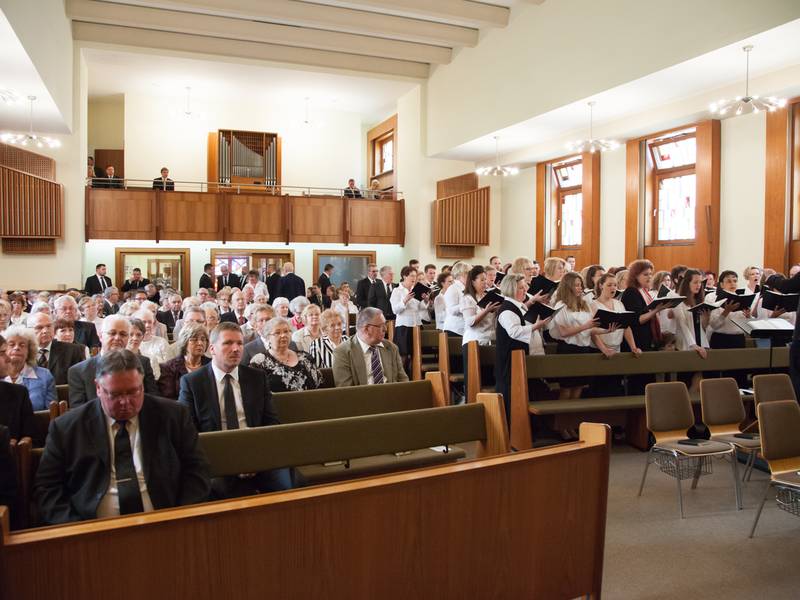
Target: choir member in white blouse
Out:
[406,308]
[444,280]
[752,278]
[454,321]
[610,343]
[690,327]
[722,332]
[665,320]
[424,309]
[479,323]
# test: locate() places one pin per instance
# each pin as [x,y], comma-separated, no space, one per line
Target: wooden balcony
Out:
[241,216]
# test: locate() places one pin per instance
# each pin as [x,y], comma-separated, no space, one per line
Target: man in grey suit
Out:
[81,377]
[367,358]
[57,357]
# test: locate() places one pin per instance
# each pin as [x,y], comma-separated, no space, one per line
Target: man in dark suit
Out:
[381,292]
[16,410]
[236,314]
[227,279]
[225,395]
[273,281]
[93,170]
[108,180]
[363,287]
[291,285]
[57,357]
[171,316]
[136,282]
[85,333]
[98,282]
[8,475]
[110,301]
[351,191]
[81,377]
[206,279]
[157,461]
[324,280]
[164,183]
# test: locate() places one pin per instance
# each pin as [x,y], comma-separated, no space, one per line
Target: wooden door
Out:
[260,261]
[103,158]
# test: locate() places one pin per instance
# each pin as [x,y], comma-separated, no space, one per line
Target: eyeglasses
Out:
[279,333]
[382,326]
[117,396]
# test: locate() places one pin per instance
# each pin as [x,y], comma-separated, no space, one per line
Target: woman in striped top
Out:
[321,350]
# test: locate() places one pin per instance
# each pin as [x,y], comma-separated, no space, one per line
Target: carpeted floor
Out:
[651,553]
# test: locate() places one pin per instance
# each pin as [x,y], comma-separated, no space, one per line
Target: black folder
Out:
[607,317]
[775,300]
[743,300]
[490,298]
[539,310]
[663,291]
[671,302]
[542,284]
[420,290]
[705,306]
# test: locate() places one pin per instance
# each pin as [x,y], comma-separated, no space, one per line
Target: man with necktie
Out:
[136,282]
[97,283]
[164,183]
[226,278]
[226,395]
[381,292]
[368,358]
[124,452]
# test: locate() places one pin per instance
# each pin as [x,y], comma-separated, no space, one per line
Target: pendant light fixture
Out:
[747,103]
[592,145]
[497,169]
[30,138]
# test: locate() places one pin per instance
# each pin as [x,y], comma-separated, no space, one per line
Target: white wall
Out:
[106,123]
[518,215]
[157,134]
[743,158]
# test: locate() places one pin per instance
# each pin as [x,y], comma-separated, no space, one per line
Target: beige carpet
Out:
[652,553]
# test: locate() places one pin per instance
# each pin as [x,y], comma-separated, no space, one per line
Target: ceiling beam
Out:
[461,12]
[212,46]
[331,18]
[90,11]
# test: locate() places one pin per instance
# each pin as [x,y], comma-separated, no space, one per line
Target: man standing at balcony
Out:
[109,180]
[351,191]
[164,183]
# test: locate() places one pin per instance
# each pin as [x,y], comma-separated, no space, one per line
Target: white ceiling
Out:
[774,50]
[18,74]
[115,72]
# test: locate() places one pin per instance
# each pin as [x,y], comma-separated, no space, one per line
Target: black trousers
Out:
[723,341]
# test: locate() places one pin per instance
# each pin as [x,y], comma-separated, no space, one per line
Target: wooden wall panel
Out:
[463,219]
[376,222]
[541,211]
[255,218]
[526,525]
[190,216]
[633,233]
[30,206]
[777,209]
[456,185]
[121,214]
[591,210]
[104,158]
[29,245]
[26,161]
[317,219]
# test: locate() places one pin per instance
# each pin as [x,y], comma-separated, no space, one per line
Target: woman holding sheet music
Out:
[479,317]
[691,325]
[513,332]
[406,307]
[724,333]
[454,321]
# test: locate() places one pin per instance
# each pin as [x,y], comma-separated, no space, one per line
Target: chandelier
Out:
[497,169]
[746,103]
[8,96]
[30,138]
[592,145]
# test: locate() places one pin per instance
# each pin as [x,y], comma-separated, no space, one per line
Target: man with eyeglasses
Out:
[124,452]
[368,358]
[81,377]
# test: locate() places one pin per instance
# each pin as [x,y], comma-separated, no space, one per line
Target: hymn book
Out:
[775,301]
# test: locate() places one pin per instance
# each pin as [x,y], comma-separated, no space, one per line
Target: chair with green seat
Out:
[780,445]
[669,415]
[723,412]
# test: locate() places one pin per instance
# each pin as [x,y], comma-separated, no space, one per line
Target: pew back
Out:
[390,537]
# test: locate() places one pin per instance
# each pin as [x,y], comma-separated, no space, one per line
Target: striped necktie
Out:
[375,366]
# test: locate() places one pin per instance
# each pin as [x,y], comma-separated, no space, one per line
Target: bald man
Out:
[290,285]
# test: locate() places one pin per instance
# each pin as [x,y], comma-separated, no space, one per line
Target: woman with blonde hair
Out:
[311,331]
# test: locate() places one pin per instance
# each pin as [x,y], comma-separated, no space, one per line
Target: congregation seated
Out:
[88,309]
[85,333]
[64,331]
[75,480]
[368,358]
[296,307]
[236,314]
[287,370]
[18,305]
[224,395]
[81,377]
[16,411]
[151,345]
[310,331]
[54,355]
[21,350]
[192,345]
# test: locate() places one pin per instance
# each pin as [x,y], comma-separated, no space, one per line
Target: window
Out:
[675,203]
[384,154]
[568,177]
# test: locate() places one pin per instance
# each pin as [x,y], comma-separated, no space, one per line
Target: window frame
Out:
[561,193]
[378,146]
[659,175]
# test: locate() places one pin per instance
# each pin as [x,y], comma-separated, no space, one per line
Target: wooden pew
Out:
[424,352]
[62,392]
[477,357]
[448,348]
[477,529]
[337,403]
[622,410]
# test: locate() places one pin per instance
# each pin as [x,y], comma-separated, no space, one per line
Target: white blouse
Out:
[719,322]
[484,331]
[569,319]
[614,339]
[156,350]
[684,329]
[439,311]
[454,321]
[406,314]
[510,322]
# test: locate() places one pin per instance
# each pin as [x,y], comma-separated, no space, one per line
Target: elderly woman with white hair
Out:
[21,352]
[152,346]
[297,305]
[281,307]
[88,309]
[306,335]
[5,314]
[287,370]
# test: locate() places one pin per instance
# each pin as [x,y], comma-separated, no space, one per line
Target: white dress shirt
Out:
[614,339]
[453,320]
[237,395]
[569,319]
[365,348]
[109,504]
[439,311]
[510,322]
[719,322]
[684,329]
[482,332]
[406,314]
[259,288]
